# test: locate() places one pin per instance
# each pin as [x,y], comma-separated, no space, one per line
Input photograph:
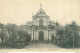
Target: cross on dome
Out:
[40,5]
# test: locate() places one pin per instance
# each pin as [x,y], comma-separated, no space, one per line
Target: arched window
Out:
[40,22]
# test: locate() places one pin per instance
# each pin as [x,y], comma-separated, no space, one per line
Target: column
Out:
[33,35]
[48,35]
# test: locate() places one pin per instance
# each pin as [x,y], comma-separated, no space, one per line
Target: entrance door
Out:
[52,37]
[41,36]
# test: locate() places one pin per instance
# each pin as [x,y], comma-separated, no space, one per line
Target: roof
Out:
[41,12]
[52,23]
[29,23]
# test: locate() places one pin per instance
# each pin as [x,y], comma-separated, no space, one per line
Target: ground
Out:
[40,45]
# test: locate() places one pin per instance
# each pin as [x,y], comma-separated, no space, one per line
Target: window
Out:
[40,22]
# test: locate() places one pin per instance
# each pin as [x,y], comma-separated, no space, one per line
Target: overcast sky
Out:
[20,11]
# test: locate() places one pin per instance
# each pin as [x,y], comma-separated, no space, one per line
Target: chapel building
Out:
[41,28]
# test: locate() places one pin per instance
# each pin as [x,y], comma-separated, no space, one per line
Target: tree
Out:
[60,36]
[68,36]
[24,36]
[17,38]
[3,35]
[71,33]
[22,39]
[12,30]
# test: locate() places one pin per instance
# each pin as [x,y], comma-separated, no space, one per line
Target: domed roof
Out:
[41,12]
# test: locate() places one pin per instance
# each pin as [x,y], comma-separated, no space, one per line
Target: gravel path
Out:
[42,46]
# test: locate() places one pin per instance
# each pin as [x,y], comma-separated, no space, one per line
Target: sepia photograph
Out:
[39,25]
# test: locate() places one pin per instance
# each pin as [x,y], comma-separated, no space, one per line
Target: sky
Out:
[20,11]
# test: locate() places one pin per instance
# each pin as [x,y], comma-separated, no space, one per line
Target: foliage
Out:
[22,39]
[15,38]
[68,37]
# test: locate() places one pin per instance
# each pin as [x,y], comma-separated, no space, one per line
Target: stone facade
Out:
[41,28]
